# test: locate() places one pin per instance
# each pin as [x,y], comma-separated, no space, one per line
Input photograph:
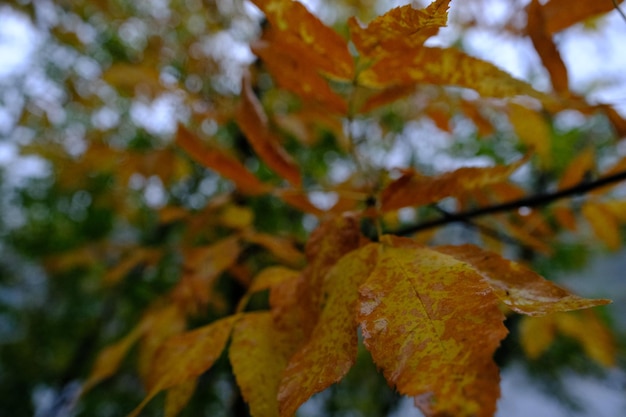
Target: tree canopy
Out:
[242,205]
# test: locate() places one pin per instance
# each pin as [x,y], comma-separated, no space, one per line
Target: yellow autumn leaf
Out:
[331,350]
[617,208]
[259,352]
[164,323]
[288,313]
[186,356]
[265,279]
[110,358]
[136,257]
[400,29]
[178,397]
[386,96]
[521,289]
[446,67]
[576,170]
[537,334]
[593,335]
[126,77]
[532,130]
[432,324]
[237,217]
[283,248]
[328,243]
[604,224]
[212,259]
[202,267]
[413,189]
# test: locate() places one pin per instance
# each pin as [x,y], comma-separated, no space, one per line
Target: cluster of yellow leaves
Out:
[538,333]
[431,317]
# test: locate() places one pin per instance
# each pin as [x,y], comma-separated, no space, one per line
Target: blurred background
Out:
[91,93]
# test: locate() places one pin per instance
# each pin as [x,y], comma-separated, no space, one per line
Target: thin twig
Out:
[488,231]
[530,201]
[619,10]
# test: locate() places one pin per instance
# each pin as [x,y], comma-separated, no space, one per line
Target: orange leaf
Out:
[545,47]
[303,36]
[561,14]
[254,124]
[519,288]
[186,356]
[259,352]
[413,189]
[618,122]
[169,214]
[331,350]
[432,325]
[83,256]
[220,161]
[399,29]
[532,130]
[449,67]
[604,224]
[578,168]
[524,232]
[298,77]
[471,108]
[565,217]
[299,200]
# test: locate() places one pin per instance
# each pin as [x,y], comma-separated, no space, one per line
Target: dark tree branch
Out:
[619,10]
[487,231]
[530,201]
